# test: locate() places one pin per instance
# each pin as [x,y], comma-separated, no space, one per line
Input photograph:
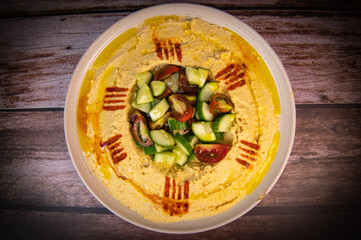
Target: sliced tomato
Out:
[165,94]
[165,71]
[140,131]
[220,104]
[181,108]
[184,84]
[210,153]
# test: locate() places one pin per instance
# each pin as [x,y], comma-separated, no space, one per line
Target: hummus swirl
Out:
[157,191]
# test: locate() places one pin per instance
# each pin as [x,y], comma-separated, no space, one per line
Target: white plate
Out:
[287,118]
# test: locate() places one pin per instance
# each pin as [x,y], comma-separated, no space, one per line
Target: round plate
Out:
[287,118]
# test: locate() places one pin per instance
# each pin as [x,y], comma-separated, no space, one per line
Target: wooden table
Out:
[318,194]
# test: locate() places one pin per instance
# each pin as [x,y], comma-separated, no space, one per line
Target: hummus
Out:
[159,192]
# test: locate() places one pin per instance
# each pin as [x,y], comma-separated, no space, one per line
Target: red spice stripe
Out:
[186,190]
[116,151]
[171,46]
[116,89]
[158,47]
[120,157]
[251,152]
[114,95]
[236,85]
[113,108]
[111,140]
[179,192]
[251,145]
[224,70]
[178,51]
[248,157]
[173,189]
[244,163]
[114,101]
[165,49]
[114,146]
[166,187]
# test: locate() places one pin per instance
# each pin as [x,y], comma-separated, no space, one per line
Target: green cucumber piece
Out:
[192,75]
[193,140]
[172,82]
[203,130]
[164,157]
[145,107]
[174,124]
[219,138]
[203,111]
[224,123]
[150,150]
[143,78]
[159,110]
[144,95]
[158,87]
[208,91]
[181,157]
[202,76]
[191,98]
[162,138]
[159,148]
[192,157]
[183,143]
[160,122]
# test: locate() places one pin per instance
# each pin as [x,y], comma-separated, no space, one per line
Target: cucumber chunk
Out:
[181,157]
[208,91]
[193,140]
[192,75]
[172,82]
[162,138]
[219,138]
[192,157]
[203,111]
[164,157]
[183,143]
[224,123]
[203,130]
[158,87]
[143,78]
[150,150]
[159,110]
[145,107]
[174,124]
[144,95]
[202,76]
[159,148]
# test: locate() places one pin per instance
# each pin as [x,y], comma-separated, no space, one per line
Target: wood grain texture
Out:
[59,225]
[320,51]
[324,167]
[39,7]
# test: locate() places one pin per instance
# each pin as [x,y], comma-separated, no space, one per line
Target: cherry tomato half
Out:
[140,131]
[220,104]
[210,153]
[184,85]
[181,108]
[165,71]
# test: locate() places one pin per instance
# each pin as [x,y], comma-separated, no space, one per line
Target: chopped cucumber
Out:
[144,95]
[145,107]
[158,87]
[160,122]
[183,143]
[219,138]
[159,148]
[202,76]
[208,91]
[192,75]
[224,123]
[162,138]
[181,157]
[203,130]
[193,140]
[159,110]
[165,157]
[203,111]
[150,150]
[192,157]
[172,82]
[174,124]
[143,78]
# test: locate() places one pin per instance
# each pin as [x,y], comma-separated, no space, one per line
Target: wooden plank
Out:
[320,52]
[58,225]
[38,7]
[323,168]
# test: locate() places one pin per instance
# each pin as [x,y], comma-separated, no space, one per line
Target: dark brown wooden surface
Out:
[318,195]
